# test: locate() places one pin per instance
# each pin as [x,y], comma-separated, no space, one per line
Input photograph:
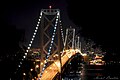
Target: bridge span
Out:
[51,71]
[52,42]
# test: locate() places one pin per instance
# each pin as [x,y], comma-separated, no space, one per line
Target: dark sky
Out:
[24,13]
[97,20]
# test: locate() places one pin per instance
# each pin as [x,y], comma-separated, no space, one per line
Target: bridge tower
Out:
[69,38]
[77,42]
[50,34]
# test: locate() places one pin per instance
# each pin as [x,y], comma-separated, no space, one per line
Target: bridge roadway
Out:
[51,71]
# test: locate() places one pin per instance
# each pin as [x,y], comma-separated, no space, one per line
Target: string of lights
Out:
[31,41]
[61,29]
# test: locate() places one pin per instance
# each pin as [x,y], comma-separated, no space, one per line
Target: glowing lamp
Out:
[50,7]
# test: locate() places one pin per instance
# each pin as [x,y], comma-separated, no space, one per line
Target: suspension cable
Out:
[62,34]
[32,39]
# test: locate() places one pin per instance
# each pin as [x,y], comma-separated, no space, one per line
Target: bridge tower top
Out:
[69,38]
[50,34]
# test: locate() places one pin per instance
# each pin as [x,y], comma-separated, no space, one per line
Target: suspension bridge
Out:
[55,47]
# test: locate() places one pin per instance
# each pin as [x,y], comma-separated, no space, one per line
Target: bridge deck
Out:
[51,71]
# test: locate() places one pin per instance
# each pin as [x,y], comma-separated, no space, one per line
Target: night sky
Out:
[99,21]
[96,20]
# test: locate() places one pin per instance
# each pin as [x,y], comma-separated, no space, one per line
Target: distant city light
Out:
[50,7]
[24,74]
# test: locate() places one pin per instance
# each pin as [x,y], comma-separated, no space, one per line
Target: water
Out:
[87,72]
[77,70]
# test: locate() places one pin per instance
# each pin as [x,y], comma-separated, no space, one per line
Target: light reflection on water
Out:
[106,72]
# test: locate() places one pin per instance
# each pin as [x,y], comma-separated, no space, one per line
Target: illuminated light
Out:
[31,69]
[37,60]
[43,69]
[30,44]
[20,62]
[32,39]
[53,64]
[28,47]
[56,21]
[60,21]
[40,16]
[55,24]
[53,36]
[54,33]
[37,24]
[41,13]
[84,54]
[51,41]
[45,61]
[24,74]
[24,56]
[46,71]
[55,28]
[38,19]
[37,66]
[41,63]
[54,56]
[35,30]
[50,47]
[48,54]
[69,56]
[50,7]
[58,13]
[49,50]
[57,18]
[25,53]
[18,65]
[58,65]
[34,33]
[71,50]
[26,50]
[50,68]
[34,62]
[45,65]
[36,27]
[33,36]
